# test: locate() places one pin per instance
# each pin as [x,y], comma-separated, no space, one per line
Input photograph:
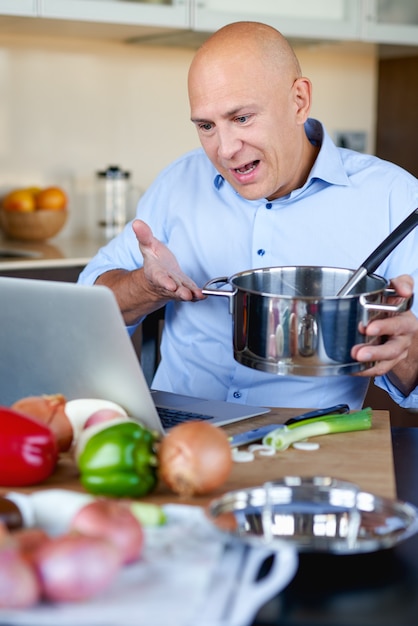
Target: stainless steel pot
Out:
[288,320]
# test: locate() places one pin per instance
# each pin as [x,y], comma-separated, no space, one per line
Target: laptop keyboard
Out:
[171,417]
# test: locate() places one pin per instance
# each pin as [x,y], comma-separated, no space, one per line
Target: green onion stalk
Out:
[282,438]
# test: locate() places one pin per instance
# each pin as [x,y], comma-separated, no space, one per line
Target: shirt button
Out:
[261,252]
[269,205]
[237,394]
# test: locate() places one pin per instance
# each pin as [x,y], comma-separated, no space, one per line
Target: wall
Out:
[70,107]
[397,123]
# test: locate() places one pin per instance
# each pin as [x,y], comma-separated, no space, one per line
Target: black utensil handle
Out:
[374,260]
[338,408]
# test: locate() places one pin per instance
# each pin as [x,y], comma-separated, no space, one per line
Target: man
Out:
[269,188]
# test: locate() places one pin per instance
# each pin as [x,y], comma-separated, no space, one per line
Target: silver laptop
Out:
[58,337]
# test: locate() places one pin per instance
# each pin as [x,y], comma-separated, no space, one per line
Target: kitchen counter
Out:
[54,253]
[371,466]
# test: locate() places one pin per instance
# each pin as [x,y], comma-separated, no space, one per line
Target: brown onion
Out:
[194,458]
[111,520]
[51,411]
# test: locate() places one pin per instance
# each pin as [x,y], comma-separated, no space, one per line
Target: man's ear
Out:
[302,91]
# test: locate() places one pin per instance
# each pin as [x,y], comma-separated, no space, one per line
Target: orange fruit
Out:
[51,198]
[19,200]
[32,190]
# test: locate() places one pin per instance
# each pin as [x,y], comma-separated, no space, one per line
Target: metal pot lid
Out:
[315,514]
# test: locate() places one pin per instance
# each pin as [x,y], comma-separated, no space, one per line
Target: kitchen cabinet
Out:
[170,13]
[24,8]
[377,21]
[390,21]
[330,19]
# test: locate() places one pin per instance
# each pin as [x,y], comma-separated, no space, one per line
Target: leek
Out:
[282,438]
[148,514]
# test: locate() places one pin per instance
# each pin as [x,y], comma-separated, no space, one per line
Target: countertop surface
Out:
[20,255]
[364,458]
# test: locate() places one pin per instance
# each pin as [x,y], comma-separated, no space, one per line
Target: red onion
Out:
[102,415]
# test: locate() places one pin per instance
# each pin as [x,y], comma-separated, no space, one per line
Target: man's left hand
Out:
[399,352]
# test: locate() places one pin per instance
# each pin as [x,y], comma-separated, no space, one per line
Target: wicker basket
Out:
[32,225]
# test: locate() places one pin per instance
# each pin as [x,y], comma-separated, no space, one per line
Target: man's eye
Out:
[242,119]
[206,126]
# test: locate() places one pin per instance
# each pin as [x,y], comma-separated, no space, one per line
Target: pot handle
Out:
[229,293]
[404,304]
[218,292]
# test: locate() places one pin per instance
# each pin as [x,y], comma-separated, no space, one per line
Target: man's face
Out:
[249,125]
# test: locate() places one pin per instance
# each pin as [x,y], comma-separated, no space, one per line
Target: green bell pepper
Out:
[119,461]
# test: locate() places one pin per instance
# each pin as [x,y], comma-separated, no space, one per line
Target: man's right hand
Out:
[161,268]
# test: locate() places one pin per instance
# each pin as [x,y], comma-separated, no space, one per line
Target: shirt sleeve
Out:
[121,252]
[406,402]
[403,261]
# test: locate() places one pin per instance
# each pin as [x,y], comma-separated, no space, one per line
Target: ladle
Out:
[382,251]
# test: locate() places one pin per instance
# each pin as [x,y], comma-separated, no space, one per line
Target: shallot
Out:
[74,567]
[111,520]
[19,586]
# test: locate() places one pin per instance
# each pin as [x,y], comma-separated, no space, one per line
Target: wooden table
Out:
[363,457]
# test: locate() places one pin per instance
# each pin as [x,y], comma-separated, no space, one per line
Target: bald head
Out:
[251,44]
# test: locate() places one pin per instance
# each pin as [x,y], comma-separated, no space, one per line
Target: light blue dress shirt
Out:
[348,205]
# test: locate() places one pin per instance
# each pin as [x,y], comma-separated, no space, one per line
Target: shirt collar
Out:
[328,165]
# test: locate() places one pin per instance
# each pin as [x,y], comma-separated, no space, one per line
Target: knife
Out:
[250,436]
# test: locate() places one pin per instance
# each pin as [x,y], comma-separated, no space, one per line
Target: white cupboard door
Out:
[25,8]
[391,21]
[171,13]
[312,19]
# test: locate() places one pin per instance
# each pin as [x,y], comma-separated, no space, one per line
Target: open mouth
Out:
[247,168]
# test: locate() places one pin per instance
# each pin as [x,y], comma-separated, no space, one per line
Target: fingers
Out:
[143,233]
[383,357]
[397,333]
[174,286]
[161,269]
[404,285]
[172,290]
[185,288]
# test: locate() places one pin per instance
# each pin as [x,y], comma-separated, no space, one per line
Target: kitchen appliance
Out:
[113,196]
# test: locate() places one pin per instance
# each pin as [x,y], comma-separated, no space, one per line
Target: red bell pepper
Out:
[28,449]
